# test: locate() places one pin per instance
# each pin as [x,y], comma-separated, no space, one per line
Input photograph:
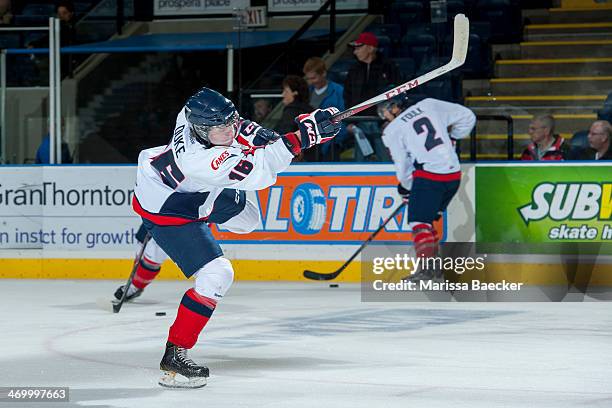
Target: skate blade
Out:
[171,379]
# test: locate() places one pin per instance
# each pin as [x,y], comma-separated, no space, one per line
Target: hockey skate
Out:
[129,297]
[179,371]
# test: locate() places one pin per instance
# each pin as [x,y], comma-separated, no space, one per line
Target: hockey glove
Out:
[256,134]
[403,192]
[316,127]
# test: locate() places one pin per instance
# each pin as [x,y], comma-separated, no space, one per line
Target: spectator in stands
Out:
[6,14]
[43,154]
[369,77]
[295,99]
[261,110]
[599,142]
[65,13]
[325,93]
[545,145]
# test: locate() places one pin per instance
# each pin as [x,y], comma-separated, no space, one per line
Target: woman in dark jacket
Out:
[295,99]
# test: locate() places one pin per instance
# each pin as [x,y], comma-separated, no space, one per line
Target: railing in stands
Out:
[509,132]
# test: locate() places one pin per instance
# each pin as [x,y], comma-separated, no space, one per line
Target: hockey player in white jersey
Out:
[149,264]
[200,177]
[420,140]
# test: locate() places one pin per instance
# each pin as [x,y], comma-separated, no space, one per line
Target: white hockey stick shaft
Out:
[461,36]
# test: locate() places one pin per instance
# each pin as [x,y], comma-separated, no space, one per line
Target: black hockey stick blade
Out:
[312,275]
[118,303]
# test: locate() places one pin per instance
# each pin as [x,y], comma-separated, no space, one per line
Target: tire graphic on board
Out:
[308,209]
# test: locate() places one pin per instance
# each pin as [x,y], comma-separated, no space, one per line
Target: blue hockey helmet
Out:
[208,109]
[401,101]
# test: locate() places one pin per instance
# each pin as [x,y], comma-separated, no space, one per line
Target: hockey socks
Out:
[194,312]
[425,241]
[145,273]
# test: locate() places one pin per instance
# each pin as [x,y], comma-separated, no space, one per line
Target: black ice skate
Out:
[119,294]
[179,371]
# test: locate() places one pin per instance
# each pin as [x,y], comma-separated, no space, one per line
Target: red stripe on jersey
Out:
[436,176]
[158,219]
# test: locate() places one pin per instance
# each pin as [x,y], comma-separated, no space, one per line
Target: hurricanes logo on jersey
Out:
[216,163]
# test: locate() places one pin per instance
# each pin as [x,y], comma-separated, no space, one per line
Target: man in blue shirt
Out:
[325,93]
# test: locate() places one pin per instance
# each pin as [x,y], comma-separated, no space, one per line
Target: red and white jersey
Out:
[418,138]
[181,182]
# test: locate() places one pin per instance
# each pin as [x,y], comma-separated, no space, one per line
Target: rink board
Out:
[76,222]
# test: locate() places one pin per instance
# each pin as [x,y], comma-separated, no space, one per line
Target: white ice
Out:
[307,345]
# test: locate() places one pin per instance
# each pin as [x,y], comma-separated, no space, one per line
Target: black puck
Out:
[333,285]
[160,313]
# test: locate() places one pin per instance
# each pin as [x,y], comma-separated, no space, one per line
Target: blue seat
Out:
[606,112]
[406,13]
[339,70]
[384,46]
[505,18]
[393,31]
[39,9]
[578,143]
[407,67]
[9,40]
[418,46]
[478,62]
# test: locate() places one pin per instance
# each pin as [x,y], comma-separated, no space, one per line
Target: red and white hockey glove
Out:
[314,128]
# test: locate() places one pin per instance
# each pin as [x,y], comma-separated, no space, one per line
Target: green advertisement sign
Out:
[547,203]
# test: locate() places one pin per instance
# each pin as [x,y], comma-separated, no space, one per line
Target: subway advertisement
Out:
[544,204]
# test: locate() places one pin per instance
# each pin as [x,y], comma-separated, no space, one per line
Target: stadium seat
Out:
[407,13]
[384,46]
[407,67]
[339,70]
[393,31]
[606,112]
[505,19]
[9,40]
[579,142]
[39,9]
[418,46]
[478,61]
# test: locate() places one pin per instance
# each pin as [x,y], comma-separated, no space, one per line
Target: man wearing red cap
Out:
[369,77]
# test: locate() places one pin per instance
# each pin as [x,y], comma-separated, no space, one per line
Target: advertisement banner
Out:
[279,6]
[328,208]
[67,208]
[195,7]
[88,208]
[551,203]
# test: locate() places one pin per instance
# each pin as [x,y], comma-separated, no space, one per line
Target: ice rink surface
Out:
[306,345]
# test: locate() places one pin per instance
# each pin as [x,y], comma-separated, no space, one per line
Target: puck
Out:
[333,285]
[160,313]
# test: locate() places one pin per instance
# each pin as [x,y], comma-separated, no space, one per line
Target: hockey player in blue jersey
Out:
[201,177]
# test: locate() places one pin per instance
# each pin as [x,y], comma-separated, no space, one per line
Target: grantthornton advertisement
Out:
[88,208]
[549,203]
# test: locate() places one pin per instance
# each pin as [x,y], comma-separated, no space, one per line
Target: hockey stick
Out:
[333,275]
[118,303]
[461,36]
